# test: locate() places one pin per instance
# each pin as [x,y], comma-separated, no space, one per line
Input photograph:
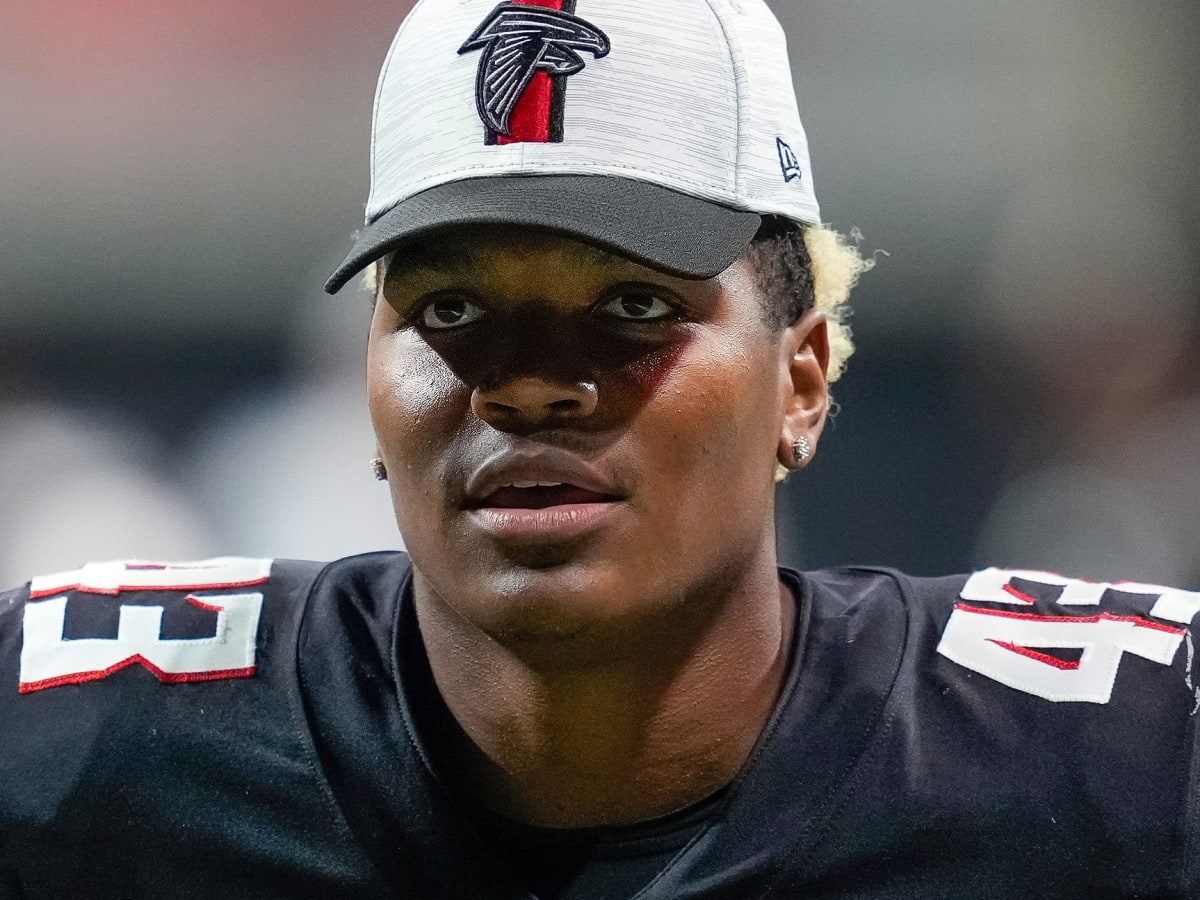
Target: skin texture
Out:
[614,672]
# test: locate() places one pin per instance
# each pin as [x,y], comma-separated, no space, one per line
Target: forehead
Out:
[487,248]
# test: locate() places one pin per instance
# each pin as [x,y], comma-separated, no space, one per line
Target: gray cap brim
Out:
[654,225]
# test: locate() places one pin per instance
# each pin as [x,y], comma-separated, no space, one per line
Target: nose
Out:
[533,401]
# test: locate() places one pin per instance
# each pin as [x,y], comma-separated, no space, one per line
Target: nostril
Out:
[552,409]
[501,409]
[534,399]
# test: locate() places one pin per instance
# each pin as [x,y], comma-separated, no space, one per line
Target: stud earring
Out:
[379,469]
[801,450]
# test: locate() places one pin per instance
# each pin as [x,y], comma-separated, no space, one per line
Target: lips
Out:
[542,496]
[538,479]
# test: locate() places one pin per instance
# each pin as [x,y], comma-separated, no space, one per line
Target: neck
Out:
[614,728]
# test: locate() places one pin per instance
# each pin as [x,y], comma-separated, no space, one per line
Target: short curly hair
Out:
[800,267]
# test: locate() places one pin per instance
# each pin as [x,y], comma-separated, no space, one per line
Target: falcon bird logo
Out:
[517,41]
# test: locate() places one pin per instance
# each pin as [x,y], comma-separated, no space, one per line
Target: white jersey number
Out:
[48,659]
[1008,645]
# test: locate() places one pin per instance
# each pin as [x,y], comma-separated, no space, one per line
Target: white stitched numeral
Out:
[1006,645]
[49,659]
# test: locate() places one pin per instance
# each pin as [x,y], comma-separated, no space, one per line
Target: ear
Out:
[804,362]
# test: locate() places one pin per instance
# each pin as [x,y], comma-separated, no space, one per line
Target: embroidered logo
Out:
[788,161]
[530,48]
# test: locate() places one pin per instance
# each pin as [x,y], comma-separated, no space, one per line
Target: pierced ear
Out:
[805,361]
[378,467]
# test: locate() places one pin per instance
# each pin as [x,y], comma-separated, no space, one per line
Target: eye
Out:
[637,306]
[449,311]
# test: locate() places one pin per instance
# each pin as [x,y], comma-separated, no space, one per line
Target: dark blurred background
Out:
[177,179]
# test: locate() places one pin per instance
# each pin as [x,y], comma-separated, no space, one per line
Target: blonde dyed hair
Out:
[837,266]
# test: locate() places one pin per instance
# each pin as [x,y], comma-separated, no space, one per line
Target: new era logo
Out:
[788,161]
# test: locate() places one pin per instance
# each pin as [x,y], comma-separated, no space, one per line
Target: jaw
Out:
[586,602]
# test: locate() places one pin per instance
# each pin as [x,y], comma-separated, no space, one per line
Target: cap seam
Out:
[738,86]
[383,75]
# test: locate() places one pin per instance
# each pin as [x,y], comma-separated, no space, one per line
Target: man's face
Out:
[573,439]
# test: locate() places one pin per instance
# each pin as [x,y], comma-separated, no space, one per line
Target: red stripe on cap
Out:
[530,121]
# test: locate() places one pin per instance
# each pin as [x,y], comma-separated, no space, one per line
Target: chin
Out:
[572,602]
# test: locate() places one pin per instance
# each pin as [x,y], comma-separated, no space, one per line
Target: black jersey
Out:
[253,730]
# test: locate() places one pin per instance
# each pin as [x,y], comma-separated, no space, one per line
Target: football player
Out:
[607,317]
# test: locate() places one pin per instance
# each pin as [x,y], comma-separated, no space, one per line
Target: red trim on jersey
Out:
[1046,658]
[200,604]
[1035,617]
[530,120]
[113,592]
[1146,623]
[1020,595]
[67,588]
[28,687]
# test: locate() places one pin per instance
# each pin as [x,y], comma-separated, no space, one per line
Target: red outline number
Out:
[1008,645]
[219,585]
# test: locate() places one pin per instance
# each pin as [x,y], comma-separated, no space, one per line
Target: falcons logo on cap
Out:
[518,41]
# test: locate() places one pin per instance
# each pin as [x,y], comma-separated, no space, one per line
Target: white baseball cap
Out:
[661,129]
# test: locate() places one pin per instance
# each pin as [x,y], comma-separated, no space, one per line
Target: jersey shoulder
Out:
[143,700]
[182,622]
[1044,635]
[179,622]
[1058,638]
[1011,701]
[1070,640]
[114,673]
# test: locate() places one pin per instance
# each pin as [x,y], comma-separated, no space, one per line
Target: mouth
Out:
[537,495]
[543,497]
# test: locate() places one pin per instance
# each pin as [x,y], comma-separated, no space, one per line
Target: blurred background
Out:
[176,180]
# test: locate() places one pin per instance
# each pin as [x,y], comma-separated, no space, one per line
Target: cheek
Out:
[644,375]
[715,412]
[415,400]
